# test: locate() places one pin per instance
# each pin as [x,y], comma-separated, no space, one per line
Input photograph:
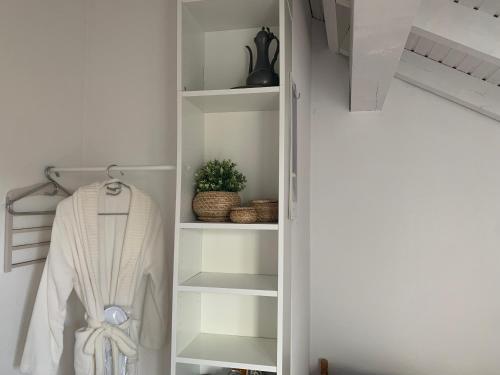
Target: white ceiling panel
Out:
[449,83]
[424,46]
[462,35]
[471,31]
[485,70]
[469,64]
[469,3]
[439,52]
[491,7]
[462,62]
[411,42]
[495,78]
[454,58]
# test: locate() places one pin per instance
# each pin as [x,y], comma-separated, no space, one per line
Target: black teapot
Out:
[263,73]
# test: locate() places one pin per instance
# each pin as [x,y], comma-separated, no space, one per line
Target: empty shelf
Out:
[232,283]
[250,353]
[235,100]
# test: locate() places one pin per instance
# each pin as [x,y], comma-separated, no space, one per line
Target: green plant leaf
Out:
[216,175]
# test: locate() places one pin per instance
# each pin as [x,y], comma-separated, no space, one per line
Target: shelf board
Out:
[220,15]
[235,100]
[225,226]
[232,283]
[250,353]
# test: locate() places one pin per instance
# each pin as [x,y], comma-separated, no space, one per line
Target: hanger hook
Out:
[47,172]
[48,175]
[108,170]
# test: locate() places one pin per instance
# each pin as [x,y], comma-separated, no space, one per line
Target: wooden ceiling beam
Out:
[330,14]
[379,32]
[473,93]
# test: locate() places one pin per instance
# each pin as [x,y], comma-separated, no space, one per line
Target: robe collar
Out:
[138,219]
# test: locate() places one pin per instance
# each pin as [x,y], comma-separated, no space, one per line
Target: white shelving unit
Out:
[230,294]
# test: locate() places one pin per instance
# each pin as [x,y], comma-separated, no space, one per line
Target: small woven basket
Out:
[243,215]
[215,206]
[267,210]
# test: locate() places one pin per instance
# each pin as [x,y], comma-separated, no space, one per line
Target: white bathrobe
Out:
[108,260]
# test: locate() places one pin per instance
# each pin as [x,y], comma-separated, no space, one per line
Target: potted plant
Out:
[217,186]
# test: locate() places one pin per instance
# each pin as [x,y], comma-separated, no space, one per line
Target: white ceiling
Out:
[461,36]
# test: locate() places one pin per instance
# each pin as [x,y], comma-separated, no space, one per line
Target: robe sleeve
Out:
[44,343]
[155,313]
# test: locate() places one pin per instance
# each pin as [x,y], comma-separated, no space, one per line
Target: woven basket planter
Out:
[267,210]
[243,215]
[215,206]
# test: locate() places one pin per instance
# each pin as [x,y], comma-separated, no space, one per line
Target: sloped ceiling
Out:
[453,49]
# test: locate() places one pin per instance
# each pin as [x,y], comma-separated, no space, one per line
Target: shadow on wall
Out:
[75,320]
[27,311]
[342,370]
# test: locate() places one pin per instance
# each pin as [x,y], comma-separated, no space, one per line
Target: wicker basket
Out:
[267,210]
[243,215]
[215,206]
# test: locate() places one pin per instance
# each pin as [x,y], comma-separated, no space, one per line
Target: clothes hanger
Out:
[50,188]
[47,172]
[114,187]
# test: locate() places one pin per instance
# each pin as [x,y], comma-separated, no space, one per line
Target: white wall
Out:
[301,72]
[130,103]
[405,234]
[40,124]
[90,82]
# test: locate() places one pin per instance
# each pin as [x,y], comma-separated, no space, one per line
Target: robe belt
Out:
[120,342]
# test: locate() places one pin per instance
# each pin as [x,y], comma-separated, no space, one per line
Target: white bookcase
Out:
[230,304]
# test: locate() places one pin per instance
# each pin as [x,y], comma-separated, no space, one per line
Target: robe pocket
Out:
[83,361]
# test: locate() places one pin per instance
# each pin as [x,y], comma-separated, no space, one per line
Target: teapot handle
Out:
[276,52]
[250,64]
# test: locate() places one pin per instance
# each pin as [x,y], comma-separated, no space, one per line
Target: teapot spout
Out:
[250,65]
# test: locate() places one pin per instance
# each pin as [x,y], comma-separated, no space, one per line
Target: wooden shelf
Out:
[225,226]
[232,283]
[219,15]
[235,100]
[227,351]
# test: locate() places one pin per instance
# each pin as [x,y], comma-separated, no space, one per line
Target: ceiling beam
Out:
[473,93]
[379,32]
[473,32]
[330,14]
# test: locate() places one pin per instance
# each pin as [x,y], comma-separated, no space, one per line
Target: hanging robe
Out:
[107,260]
